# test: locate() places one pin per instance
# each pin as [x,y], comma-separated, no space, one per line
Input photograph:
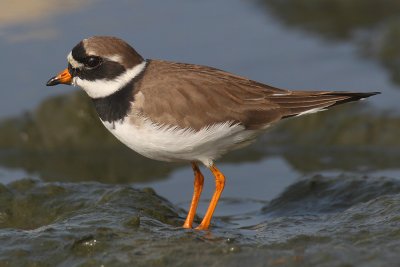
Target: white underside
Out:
[168,143]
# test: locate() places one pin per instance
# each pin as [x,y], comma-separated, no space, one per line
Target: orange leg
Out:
[198,187]
[219,187]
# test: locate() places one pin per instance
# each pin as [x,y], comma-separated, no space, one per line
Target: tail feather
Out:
[299,103]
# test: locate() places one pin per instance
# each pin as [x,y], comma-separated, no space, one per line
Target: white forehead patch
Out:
[75,64]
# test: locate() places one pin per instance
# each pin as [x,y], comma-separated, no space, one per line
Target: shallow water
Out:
[324,221]
[320,190]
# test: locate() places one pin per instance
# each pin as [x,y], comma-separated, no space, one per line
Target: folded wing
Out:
[192,96]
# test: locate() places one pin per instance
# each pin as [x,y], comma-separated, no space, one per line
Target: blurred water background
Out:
[318,190]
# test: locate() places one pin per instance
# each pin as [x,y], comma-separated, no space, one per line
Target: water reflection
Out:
[373,25]
[64,140]
[334,18]
[22,21]
[95,224]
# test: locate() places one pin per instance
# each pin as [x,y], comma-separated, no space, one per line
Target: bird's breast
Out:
[171,143]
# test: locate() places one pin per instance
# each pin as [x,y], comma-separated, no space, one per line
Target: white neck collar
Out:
[103,88]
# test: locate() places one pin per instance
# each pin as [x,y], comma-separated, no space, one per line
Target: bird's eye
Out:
[92,62]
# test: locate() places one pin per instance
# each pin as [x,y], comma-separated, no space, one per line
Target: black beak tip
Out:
[53,81]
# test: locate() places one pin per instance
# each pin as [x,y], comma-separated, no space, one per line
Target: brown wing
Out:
[193,96]
[298,102]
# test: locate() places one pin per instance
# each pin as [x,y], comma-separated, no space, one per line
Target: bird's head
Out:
[100,65]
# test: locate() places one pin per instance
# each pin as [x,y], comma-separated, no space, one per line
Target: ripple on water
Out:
[316,221]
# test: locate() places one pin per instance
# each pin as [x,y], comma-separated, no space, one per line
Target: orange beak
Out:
[63,77]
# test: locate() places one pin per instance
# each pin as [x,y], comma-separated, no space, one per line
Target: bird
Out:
[179,112]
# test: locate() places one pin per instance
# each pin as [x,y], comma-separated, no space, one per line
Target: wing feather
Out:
[193,96]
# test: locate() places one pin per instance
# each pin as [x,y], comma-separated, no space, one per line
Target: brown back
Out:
[193,96]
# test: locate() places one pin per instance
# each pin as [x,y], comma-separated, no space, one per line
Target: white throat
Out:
[103,88]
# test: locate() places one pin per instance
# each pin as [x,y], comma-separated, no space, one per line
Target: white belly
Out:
[168,143]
